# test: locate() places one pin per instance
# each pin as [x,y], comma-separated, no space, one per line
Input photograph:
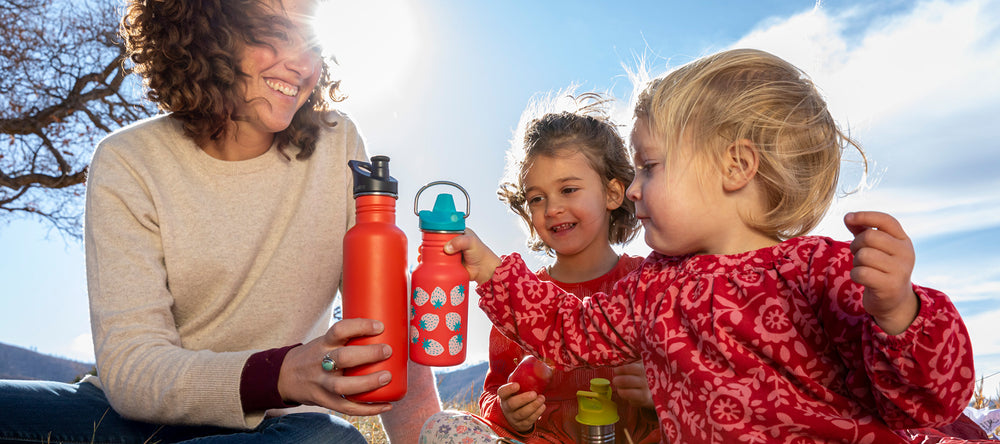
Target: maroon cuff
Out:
[259,381]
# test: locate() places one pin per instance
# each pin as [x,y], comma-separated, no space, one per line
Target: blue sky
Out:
[440,85]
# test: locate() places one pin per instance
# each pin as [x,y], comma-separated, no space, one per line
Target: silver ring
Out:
[329,364]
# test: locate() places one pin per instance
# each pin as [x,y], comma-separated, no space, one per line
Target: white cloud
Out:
[933,52]
[928,215]
[81,348]
[982,328]
[919,89]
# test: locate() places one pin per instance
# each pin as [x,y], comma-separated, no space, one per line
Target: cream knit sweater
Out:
[194,264]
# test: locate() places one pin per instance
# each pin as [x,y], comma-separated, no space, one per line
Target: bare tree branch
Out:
[64,88]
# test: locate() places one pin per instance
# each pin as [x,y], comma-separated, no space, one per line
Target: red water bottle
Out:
[375,274]
[440,304]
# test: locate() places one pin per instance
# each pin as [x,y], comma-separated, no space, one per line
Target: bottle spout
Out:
[380,167]
[373,178]
[443,217]
[595,407]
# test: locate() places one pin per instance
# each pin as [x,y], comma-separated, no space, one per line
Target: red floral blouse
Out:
[558,423]
[768,346]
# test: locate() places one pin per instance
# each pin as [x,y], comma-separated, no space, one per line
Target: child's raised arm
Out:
[478,259]
[883,262]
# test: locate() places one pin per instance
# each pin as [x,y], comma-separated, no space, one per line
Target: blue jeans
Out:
[54,412]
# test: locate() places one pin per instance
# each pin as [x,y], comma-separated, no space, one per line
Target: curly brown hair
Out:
[588,130]
[187,53]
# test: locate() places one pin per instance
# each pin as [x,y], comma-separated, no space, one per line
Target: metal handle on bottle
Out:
[416,199]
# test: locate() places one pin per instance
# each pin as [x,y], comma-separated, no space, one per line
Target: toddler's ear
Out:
[739,164]
[616,194]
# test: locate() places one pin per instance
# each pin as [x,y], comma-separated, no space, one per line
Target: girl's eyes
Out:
[536,199]
[645,167]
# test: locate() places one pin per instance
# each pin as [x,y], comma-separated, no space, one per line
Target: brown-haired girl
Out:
[566,176]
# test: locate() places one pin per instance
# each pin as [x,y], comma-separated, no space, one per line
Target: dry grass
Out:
[980,401]
[371,428]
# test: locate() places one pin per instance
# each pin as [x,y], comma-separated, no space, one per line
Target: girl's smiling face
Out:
[568,202]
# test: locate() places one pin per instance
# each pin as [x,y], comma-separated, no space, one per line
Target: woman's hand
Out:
[478,259]
[303,380]
[883,262]
[631,384]
[522,410]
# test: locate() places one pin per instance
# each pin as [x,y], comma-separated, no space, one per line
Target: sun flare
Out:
[373,42]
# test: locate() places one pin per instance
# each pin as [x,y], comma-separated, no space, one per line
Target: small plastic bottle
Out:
[439,305]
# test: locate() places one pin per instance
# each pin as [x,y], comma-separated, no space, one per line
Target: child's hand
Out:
[631,384]
[883,261]
[479,260]
[522,410]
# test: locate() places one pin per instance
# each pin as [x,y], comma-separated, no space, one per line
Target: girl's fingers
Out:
[860,221]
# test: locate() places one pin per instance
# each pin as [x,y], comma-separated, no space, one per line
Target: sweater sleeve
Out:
[558,327]
[143,367]
[921,377]
[259,381]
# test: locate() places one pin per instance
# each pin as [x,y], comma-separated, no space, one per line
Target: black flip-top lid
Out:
[373,178]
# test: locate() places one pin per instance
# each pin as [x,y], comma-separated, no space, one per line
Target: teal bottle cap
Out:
[443,217]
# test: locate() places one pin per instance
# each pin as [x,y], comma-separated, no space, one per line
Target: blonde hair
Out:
[582,125]
[754,95]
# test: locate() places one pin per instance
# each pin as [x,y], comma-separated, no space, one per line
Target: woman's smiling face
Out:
[280,74]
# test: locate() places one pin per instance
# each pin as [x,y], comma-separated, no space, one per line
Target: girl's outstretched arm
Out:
[479,260]
[883,263]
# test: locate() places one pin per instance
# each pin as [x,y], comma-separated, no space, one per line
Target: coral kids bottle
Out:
[375,274]
[440,305]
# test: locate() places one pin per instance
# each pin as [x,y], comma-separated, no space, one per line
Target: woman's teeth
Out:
[283,88]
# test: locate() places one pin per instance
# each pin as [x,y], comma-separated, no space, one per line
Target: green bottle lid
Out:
[595,406]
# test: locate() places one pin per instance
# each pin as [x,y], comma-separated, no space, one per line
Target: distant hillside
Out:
[463,385]
[21,363]
[455,386]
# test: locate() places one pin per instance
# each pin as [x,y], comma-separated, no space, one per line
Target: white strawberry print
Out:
[457,295]
[453,321]
[455,345]
[432,347]
[420,297]
[438,297]
[414,334]
[429,321]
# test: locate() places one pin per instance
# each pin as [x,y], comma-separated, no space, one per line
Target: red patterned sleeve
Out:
[558,327]
[925,375]
[921,377]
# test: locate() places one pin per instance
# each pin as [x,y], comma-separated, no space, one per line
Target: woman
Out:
[213,243]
